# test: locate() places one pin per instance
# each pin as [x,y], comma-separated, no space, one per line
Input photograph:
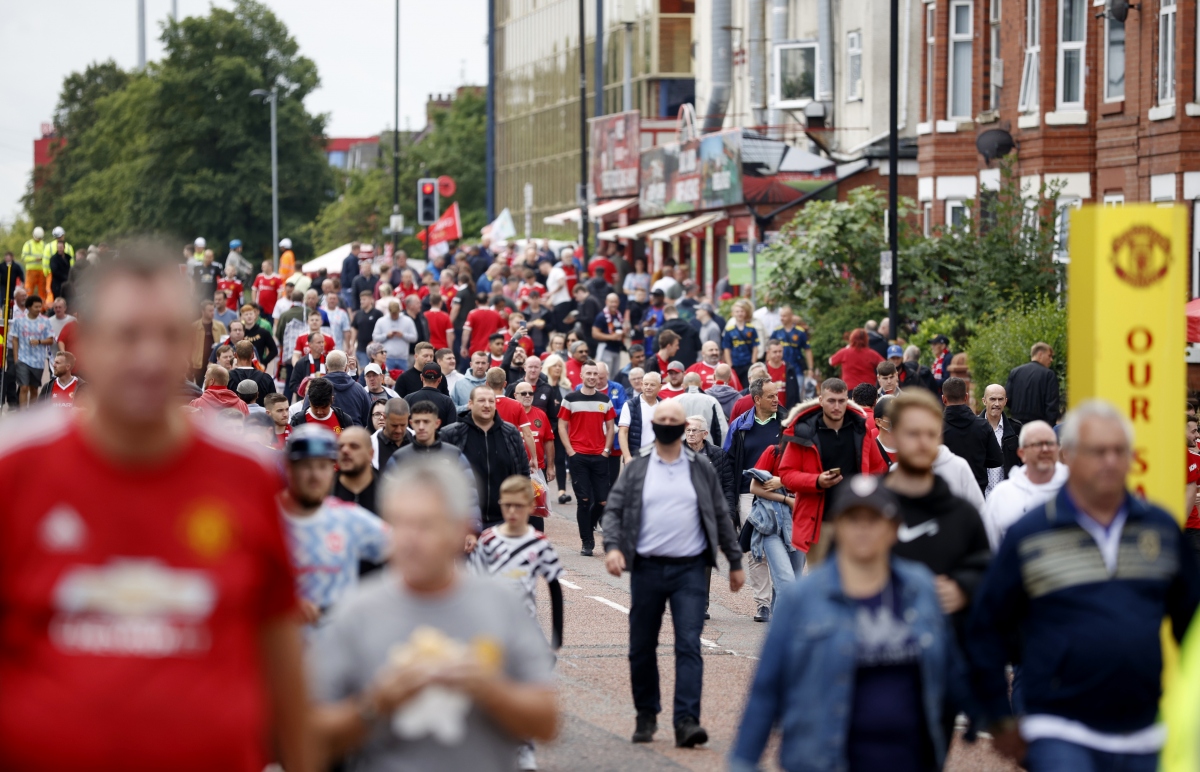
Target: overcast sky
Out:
[352,42]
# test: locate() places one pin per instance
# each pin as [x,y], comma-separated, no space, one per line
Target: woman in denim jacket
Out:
[857,662]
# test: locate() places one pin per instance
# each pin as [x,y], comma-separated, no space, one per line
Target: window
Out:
[795,77]
[854,65]
[956,213]
[1114,60]
[1166,51]
[958,106]
[1062,228]
[930,57]
[994,52]
[1028,99]
[1114,199]
[928,224]
[1072,31]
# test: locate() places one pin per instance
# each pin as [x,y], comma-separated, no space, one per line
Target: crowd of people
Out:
[919,564]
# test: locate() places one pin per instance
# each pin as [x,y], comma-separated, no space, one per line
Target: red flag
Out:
[447,228]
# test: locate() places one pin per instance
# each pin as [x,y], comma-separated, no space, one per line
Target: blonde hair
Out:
[517,485]
[551,361]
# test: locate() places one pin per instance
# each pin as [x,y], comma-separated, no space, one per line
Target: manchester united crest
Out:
[1141,256]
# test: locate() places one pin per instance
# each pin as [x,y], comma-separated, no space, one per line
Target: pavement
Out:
[593,674]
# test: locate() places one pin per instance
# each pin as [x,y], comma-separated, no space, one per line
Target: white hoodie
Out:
[1014,497]
[957,473]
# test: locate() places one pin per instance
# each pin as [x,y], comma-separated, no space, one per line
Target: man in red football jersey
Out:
[63,387]
[143,594]
[266,288]
[231,285]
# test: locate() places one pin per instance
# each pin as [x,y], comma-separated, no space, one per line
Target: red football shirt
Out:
[1193,476]
[573,374]
[439,322]
[586,416]
[330,421]
[64,396]
[511,411]
[302,345]
[743,403]
[707,375]
[666,392]
[540,425]
[233,292]
[66,336]
[131,604]
[779,375]
[483,322]
[268,291]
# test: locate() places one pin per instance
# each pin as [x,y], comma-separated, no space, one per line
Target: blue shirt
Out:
[326,548]
[24,330]
[794,345]
[741,343]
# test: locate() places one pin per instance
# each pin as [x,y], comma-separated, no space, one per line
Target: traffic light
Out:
[427,201]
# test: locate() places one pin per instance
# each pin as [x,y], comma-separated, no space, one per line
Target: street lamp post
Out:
[272,98]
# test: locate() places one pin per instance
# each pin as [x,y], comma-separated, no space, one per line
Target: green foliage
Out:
[1003,343]
[13,237]
[182,149]
[827,330]
[956,328]
[456,146]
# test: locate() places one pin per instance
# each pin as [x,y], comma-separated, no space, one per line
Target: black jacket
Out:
[877,343]
[446,408]
[689,341]
[266,384]
[971,437]
[720,461]
[955,545]
[1010,443]
[622,522]
[264,344]
[299,373]
[917,374]
[1033,393]
[410,381]
[512,374]
[495,455]
[546,397]
[343,419]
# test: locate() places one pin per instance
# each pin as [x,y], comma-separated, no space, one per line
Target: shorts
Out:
[28,376]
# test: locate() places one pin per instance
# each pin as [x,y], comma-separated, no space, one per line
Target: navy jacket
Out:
[1088,644]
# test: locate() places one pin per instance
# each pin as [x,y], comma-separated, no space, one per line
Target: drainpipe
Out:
[825,52]
[778,27]
[721,64]
[757,54]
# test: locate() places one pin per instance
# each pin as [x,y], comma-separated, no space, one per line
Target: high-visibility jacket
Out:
[52,249]
[287,263]
[33,255]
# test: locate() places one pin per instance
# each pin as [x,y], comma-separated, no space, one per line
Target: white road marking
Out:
[571,585]
[608,602]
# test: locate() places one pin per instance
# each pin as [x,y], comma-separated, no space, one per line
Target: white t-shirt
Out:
[647,420]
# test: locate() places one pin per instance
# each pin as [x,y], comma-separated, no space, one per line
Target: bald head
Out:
[336,362]
[692,379]
[670,413]
[994,402]
[216,376]
[723,373]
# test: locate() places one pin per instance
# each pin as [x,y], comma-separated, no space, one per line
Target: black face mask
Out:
[668,434]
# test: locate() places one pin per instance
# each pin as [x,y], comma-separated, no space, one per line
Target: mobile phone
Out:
[837,470]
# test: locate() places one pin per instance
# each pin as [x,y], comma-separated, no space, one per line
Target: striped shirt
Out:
[586,416]
[520,559]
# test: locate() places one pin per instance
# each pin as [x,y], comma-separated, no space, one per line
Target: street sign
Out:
[396,223]
[885,267]
[446,186]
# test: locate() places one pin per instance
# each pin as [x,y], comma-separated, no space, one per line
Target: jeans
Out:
[654,583]
[395,363]
[589,475]
[758,574]
[1051,754]
[785,567]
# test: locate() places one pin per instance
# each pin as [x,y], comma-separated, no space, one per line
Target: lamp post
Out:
[272,98]
[583,132]
[396,142]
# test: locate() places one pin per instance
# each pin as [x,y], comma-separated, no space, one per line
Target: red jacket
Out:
[218,398]
[801,466]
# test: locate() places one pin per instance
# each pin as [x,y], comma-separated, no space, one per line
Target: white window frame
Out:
[927,225]
[1028,98]
[997,71]
[1168,23]
[958,38]
[854,51]
[1071,45]
[930,61]
[1114,199]
[953,205]
[1108,25]
[777,75]
[1062,227]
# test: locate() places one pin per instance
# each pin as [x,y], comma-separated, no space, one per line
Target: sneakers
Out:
[689,733]
[647,725]
[563,498]
[587,553]
[763,615]
[525,758]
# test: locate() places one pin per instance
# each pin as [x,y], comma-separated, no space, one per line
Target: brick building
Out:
[1110,108]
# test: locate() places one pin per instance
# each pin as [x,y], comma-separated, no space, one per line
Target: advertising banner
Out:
[702,173]
[616,142]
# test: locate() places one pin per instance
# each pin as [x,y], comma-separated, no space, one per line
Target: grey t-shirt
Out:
[379,614]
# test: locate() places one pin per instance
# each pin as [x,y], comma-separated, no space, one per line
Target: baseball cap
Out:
[676,367]
[431,370]
[894,351]
[373,368]
[311,441]
[658,292]
[939,338]
[235,243]
[866,491]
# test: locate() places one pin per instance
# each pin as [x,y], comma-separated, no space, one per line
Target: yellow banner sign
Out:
[1127,334]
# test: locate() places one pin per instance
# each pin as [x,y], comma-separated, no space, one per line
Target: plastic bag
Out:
[541,494]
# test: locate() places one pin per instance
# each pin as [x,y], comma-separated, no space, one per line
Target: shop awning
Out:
[603,209]
[637,229]
[703,221]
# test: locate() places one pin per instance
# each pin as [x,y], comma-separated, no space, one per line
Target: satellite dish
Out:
[1118,10]
[994,143]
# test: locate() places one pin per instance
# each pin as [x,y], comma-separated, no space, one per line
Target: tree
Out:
[455,146]
[181,149]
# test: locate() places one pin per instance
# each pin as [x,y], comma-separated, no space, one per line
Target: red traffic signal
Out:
[427,189]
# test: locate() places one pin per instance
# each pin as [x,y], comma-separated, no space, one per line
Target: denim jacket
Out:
[805,679]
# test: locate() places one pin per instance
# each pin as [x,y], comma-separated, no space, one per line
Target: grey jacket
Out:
[623,514]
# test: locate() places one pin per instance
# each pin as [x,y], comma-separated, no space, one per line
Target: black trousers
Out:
[560,464]
[589,475]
